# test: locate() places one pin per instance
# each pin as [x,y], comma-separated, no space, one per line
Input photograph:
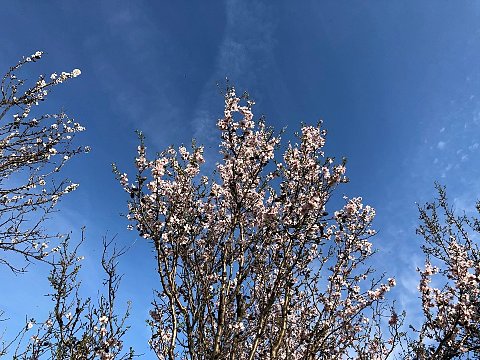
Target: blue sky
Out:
[397,84]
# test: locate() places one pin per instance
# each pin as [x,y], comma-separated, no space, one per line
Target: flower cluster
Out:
[449,284]
[34,147]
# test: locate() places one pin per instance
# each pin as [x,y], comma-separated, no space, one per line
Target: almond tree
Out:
[449,285]
[253,261]
[33,147]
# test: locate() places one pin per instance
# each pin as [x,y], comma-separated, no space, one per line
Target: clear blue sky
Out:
[396,82]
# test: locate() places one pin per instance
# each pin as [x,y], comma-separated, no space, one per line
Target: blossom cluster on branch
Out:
[33,147]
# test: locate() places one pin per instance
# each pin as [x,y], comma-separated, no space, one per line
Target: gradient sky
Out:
[397,84]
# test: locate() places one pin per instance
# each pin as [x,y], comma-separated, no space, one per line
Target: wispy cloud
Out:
[137,96]
[245,53]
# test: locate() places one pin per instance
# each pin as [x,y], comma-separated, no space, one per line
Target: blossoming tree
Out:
[33,147]
[449,284]
[253,261]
